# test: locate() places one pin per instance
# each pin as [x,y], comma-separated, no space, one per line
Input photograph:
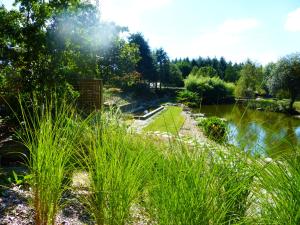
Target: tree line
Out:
[47,45]
[227,71]
[247,80]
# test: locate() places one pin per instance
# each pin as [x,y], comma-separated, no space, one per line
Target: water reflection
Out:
[256,131]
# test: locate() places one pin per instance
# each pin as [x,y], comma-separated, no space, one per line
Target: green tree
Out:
[286,76]
[145,66]
[267,73]
[30,61]
[10,31]
[10,55]
[215,63]
[74,41]
[222,67]
[207,71]
[185,67]
[176,78]
[162,62]
[231,73]
[249,81]
[117,63]
[194,71]
[45,45]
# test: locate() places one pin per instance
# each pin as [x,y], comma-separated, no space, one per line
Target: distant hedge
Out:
[268,105]
[210,89]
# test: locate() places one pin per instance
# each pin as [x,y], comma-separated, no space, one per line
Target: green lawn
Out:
[170,120]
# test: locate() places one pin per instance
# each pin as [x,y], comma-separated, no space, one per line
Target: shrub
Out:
[282,94]
[268,105]
[206,71]
[214,128]
[140,89]
[210,89]
[189,98]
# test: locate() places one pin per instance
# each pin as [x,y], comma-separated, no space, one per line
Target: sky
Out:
[261,30]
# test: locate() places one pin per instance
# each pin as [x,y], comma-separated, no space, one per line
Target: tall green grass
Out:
[118,164]
[279,192]
[200,189]
[50,141]
[173,182]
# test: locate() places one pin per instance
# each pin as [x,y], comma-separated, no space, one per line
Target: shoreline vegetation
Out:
[271,105]
[164,181]
[259,103]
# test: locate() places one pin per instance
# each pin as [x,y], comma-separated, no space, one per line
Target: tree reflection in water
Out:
[255,131]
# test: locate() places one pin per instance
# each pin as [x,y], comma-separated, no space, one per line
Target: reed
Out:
[173,182]
[118,164]
[201,188]
[49,138]
[279,195]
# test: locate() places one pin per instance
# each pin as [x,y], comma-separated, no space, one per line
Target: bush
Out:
[189,98]
[282,94]
[214,128]
[206,71]
[210,89]
[140,89]
[268,105]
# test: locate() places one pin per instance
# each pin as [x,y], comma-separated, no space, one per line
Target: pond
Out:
[261,132]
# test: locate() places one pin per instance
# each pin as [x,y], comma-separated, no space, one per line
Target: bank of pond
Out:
[126,176]
[259,132]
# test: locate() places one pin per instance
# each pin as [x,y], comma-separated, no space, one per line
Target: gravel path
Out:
[191,129]
[16,210]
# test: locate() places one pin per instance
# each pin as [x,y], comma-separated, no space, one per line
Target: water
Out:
[145,110]
[261,132]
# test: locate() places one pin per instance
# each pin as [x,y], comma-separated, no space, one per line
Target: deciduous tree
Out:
[286,76]
[145,66]
[250,79]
